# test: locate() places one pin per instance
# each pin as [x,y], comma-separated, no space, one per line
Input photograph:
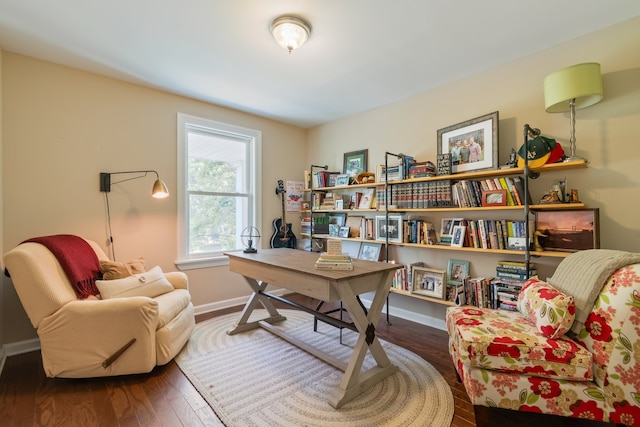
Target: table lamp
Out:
[570,89]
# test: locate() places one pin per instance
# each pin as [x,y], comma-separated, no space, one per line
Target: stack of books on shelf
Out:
[334,259]
[515,270]
[504,293]
[421,170]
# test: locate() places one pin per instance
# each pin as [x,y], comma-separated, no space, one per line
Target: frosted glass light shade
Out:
[290,32]
[581,82]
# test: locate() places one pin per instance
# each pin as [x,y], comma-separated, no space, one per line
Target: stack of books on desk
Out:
[334,262]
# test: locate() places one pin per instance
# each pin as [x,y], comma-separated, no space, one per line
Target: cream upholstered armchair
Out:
[144,321]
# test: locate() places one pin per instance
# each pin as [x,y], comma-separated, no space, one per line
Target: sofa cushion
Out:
[506,341]
[552,311]
[149,284]
[112,270]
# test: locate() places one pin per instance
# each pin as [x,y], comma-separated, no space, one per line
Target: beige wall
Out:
[63,127]
[606,135]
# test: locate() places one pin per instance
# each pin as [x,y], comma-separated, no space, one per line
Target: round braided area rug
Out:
[255,378]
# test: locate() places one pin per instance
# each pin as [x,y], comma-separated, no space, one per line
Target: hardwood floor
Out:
[165,397]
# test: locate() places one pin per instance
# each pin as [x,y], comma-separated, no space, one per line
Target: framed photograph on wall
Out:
[457,270]
[429,282]
[473,144]
[355,162]
[370,251]
[568,230]
[392,230]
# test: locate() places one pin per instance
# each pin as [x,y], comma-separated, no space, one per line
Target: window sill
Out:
[193,264]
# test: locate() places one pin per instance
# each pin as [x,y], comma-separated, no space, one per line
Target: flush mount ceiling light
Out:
[290,31]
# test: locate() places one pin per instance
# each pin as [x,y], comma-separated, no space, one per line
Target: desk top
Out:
[303,262]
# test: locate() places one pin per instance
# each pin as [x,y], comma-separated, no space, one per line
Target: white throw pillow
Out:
[149,284]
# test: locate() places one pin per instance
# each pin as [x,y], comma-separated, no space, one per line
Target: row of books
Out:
[420,231]
[421,195]
[494,234]
[468,192]
[324,179]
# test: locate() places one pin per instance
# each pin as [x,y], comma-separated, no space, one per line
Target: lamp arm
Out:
[105,178]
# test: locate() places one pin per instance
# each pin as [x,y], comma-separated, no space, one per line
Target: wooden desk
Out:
[294,270]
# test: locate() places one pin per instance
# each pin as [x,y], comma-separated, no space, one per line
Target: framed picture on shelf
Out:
[351,248]
[429,282]
[473,144]
[305,205]
[366,199]
[568,230]
[392,229]
[370,251]
[446,228]
[457,270]
[457,237]
[354,223]
[338,218]
[343,232]
[494,198]
[342,180]
[355,162]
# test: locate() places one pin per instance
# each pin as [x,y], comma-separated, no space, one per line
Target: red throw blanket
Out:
[78,260]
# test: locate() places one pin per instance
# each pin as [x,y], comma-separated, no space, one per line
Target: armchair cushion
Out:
[149,284]
[506,341]
[550,310]
[112,270]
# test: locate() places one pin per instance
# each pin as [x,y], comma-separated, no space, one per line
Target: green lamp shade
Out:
[581,82]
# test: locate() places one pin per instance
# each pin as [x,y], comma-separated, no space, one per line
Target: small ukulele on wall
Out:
[282,237]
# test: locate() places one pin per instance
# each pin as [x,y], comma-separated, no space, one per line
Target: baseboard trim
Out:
[233,302]
[16,348]
[411,315]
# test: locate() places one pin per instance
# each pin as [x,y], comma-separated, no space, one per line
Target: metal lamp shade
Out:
[160,190]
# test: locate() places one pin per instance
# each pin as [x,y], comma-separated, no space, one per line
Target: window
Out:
[218,170]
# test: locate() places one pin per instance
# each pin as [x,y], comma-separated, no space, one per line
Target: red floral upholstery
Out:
[552,311]
[507,341]
[496,355]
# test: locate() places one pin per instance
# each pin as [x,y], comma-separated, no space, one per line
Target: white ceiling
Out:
[361,54]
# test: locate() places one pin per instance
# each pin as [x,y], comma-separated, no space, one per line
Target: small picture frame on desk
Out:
[494,198]
[429,282]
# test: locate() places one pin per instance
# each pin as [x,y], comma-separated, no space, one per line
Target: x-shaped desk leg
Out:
[243,324]
[353,382]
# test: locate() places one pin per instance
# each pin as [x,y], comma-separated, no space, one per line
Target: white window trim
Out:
[255,169]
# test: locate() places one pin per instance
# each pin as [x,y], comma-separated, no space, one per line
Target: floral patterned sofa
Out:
[531,361]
